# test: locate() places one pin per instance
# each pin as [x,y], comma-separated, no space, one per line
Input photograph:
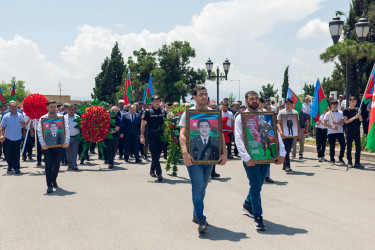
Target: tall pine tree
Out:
[108,80]
[285,86]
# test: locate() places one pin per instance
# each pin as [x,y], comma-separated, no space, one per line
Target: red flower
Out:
[95,124]
[35,105]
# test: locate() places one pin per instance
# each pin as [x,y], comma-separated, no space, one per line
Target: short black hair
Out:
[289,100]
[224,105]
[352,98]
[52,123]
[261,100]
[334,101]
[251,92]
[196,89]
[51,102]
[204,120]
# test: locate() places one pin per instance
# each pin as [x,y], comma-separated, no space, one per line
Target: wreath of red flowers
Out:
[35,105]
[95,124]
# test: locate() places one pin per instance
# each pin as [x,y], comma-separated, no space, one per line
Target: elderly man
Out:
[11,134]
[72,150]
[111,144]
[130,130]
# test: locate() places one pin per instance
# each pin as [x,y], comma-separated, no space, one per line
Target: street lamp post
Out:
[226,66]
[362,28]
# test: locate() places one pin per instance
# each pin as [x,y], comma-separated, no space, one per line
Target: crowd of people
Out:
[137,131]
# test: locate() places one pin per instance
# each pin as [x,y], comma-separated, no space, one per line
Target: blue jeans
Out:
[256,176]
[72,152]
[199,176]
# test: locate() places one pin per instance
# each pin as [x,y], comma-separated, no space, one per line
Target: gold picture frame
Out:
[53,139]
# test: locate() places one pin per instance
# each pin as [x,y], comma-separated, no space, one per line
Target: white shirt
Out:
[40,131]
[72,130]
[341,106]
[183,117]
[337,116]
[241,146]
[273,108]
[321,119]
[230,117]
[27,118]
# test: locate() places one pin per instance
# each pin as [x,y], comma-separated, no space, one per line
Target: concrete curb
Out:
[364,155]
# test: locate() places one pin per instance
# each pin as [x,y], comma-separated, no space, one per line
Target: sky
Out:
[45,42]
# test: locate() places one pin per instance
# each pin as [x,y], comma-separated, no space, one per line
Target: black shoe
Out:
[202,226]
[165,157]
[75,168]
[82,163]
[120,157]
[110,166]
[284,167]
[248,210]
[54,184]
[215,175]
[106,162]
[49,189]
[195,220]
[342,162]
[359,165]
[160,178]
[145,157]
[300,157]
[126,160]
[230,156]
[269,180]
[288,170]
[17,171]
[293,156]
[30,158]
[350,164]
[23,158]
[39,164]
[258,223]
[9,169]
[153,175]
[320,159]
[138,160]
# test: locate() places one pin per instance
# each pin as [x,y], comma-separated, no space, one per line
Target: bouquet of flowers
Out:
[171,135]
[95,122]
[35,105]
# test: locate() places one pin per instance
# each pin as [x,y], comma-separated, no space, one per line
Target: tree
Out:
[21,91]
[359,55]
[308,89]
[140,69]
[111,76]
[231,99]
[267,91]
[285,86]
[174,72]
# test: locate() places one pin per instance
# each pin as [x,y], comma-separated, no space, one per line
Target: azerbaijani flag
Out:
[128,91]
[13,93]
[370,144]
[297,104]
[151,89]
[146,94]
[319,104]
[1,96]
[369,90]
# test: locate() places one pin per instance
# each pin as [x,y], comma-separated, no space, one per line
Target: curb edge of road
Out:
[364,155]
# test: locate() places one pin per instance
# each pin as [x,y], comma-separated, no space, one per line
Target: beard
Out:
[253,106]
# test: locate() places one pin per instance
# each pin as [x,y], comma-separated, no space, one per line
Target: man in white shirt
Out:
[199,174]
[335,131]
[256,173]
[72,150]
[226,113]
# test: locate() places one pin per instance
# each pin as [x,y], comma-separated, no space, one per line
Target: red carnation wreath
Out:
[35,105]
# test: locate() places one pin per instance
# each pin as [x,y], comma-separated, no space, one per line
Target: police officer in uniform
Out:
[154,118]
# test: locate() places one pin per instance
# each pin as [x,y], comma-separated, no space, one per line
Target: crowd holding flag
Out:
[319,104]
[128,91]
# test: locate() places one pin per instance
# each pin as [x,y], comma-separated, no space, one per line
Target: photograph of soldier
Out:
[53,132]
[290,125]
[264,131]
[203,147]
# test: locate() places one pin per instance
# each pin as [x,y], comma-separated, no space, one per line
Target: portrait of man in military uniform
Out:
[203,147]
[264,132]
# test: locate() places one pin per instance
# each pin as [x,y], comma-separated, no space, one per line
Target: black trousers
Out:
[29,146]
[121,147]
[353,134]
[155,148]
[365,124]
[12,152]
[332,140]
[110,151]
[39,151]
[288,143]
[229,145]
[53,158]
[321,140]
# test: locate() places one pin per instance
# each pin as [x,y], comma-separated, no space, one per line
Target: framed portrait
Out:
[204,136]
[260,136]
[290,125]
[53,130]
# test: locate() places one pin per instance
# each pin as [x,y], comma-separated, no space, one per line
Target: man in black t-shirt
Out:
[353,119]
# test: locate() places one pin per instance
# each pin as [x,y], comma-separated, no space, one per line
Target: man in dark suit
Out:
[130,130]
[55,137]
[289,124]
[204,147]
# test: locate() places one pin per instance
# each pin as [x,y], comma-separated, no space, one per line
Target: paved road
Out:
[316,207]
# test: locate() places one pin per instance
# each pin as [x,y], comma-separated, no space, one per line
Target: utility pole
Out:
[60,91]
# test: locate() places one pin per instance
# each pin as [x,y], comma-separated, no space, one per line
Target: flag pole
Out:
[368,82]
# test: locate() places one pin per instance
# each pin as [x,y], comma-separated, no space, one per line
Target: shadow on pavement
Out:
[277,229]
[100,169]
[224,179]
[279,183]
[60,192]
[218,233]
[171,181]
[301,173]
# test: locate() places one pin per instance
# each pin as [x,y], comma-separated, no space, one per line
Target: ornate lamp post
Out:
[362,28]
[226,66]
